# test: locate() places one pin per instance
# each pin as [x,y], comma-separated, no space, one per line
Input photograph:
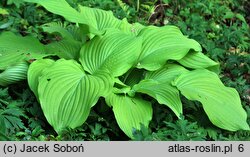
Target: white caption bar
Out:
[128,149]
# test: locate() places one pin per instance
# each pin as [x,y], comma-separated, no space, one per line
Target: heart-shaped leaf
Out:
[67,93]
[221,104]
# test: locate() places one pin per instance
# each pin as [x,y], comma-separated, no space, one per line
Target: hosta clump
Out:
[102,56]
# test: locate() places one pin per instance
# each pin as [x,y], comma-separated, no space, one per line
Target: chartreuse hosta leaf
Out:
[197,60]
[115,51]
[221,104]
[163,43]
[67,93]
[35,71]
[61,7]
[15,48]
[129,112]
[14,73]
[157,84]
[95,19]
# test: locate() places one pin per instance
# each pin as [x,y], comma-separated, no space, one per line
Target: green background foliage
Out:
[221,27]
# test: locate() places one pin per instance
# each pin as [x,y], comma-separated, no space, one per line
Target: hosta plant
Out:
[99,55]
